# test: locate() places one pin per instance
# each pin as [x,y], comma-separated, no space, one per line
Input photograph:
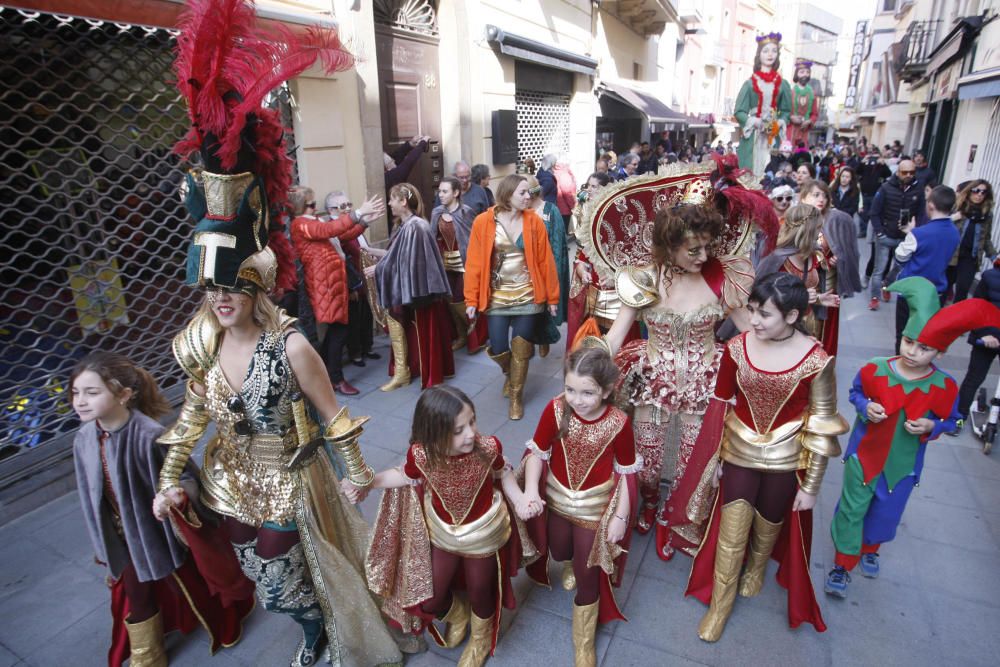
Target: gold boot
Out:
[503,361]
[461,321]
[146,641]
[456,621]
[543,350]
[397,335]
[734,528]
[480,642]
[568,576]
[521,352]
[762,540]
[584,633]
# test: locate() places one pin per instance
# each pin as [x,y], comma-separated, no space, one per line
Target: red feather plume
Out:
[226,66]
[744,203]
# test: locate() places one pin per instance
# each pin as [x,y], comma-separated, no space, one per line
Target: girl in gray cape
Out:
[118,464]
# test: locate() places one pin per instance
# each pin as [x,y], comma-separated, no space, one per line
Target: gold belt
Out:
[453,261]
[482,537]
[586,506]
[777,450]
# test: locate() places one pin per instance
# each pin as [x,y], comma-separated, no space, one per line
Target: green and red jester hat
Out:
[938,327]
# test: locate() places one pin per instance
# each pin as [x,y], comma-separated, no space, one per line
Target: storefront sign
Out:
[857,57]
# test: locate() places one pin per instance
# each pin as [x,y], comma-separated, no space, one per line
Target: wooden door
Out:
[411,102]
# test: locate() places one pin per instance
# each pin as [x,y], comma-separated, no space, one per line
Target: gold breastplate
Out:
[510,280]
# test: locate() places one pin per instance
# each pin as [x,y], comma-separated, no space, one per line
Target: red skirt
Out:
[429,333]
[184,601]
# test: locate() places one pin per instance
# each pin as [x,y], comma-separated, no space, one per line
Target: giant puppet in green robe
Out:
[763,107]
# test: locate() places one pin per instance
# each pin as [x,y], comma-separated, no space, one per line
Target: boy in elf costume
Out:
[903,402]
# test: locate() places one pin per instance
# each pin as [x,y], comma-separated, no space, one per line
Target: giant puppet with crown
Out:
[763,106]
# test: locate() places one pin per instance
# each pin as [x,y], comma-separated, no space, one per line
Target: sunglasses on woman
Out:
[783,199]
[978,191]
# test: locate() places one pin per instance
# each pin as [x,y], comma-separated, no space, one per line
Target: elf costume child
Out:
[903,402]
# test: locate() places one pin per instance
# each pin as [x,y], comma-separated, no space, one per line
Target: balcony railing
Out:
[914,49]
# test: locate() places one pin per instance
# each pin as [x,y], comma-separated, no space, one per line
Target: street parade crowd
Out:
[701,306]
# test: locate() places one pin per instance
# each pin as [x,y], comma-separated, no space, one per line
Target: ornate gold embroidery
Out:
[588,442]
[770,391]
[457,483]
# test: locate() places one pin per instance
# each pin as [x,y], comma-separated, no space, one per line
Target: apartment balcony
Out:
[912,53]
[646,17]
[689,11]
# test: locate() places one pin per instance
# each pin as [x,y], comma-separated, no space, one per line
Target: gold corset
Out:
[245,476]
[453,261]
[603,304]
[510,280]
[479,538]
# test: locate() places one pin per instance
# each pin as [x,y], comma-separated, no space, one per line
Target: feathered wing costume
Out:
[617,237]
[279,472]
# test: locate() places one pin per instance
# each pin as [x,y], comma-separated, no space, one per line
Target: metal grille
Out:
[542,124]
[93,236]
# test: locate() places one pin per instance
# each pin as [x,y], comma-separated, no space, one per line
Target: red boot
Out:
[647,514]
[663,534]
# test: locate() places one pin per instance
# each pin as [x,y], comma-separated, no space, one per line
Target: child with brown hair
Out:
[155,587]
[444,543]
[583,456]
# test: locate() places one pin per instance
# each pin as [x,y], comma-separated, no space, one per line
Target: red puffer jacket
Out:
[326,277]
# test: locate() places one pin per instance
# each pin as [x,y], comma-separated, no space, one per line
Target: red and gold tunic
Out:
[464,509]
[782,420]
[583,463]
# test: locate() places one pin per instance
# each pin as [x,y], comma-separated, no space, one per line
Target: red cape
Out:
[792,552]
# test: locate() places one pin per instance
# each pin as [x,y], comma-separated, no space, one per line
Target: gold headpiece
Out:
[697,192]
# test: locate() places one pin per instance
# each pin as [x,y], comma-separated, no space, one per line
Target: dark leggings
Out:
[270,543]
[480,582]
[333,350]
[568,541]
[504,328]
[771,493]
[979,367]
[140,594]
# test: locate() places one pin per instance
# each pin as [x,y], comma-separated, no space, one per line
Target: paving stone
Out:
[8,659]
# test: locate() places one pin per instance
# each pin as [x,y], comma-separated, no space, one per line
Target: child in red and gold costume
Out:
[778,438]
[445,544]
[583,460]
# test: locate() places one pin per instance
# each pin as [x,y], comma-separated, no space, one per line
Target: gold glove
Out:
[182,437]
[342,433]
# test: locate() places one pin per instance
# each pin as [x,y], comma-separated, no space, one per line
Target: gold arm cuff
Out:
[824,423]
[182,437]
[815,467]
[636,286]
[342,433]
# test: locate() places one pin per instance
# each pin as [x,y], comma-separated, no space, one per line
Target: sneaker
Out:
[959,425]
[886,295]
[869,565]
[836,582]
[873,304]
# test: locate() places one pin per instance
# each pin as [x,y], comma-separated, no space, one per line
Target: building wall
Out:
[972,124]
[475,79]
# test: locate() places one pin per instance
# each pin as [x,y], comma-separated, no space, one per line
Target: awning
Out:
[523,48]
[654,110]
[973,86]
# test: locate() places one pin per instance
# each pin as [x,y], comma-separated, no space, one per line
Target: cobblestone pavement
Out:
[936,601]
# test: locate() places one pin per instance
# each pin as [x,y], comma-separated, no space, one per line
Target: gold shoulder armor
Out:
[636,285]
[196,346]
[285,320]
[824,423]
